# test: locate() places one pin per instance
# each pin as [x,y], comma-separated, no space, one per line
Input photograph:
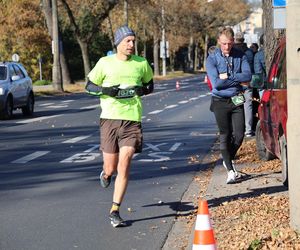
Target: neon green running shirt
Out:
[110,71]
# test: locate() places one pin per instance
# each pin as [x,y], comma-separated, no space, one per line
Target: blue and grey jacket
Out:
[259,62]
[235,65]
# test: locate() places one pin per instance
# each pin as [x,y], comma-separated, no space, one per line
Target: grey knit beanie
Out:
[121,33]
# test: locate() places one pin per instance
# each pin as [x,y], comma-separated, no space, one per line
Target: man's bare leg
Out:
[125,156]
[110,163]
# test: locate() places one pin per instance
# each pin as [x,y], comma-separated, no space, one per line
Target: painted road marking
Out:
[67,101]
[159,155]
[183,102]
[30,157]
[77,139]
[155,112]
[171,106]
[85,156]
[201,134]
[57,106]
[38,119]
[175,146]
[91,107]
[46,104]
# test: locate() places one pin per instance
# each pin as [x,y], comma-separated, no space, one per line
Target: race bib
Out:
[238,100]
[126,93]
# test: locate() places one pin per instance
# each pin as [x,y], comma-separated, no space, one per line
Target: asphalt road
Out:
[50,197]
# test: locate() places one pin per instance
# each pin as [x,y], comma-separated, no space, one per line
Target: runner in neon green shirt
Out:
[127,75]
[120,80]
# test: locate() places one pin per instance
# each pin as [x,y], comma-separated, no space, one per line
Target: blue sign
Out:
[279,3]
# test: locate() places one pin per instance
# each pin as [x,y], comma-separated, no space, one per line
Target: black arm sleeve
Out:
[93,89]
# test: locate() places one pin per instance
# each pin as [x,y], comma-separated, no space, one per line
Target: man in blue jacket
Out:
[228,70]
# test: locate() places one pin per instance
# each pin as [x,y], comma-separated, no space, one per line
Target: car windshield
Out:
[2,72]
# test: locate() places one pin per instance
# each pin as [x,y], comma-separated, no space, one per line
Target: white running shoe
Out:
[230,177]
[233,166]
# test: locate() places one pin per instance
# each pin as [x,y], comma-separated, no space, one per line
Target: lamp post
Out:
[56,70]
[163,41]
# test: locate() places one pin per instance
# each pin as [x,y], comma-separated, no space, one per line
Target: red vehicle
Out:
[271,131]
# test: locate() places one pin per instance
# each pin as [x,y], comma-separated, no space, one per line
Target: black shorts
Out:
[117,133]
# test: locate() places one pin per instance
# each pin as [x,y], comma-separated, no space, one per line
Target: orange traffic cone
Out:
[204,236]
[177,85]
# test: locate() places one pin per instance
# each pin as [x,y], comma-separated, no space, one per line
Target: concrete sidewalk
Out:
[248,185]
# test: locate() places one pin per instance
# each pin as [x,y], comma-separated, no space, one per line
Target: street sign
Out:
[279,18]
[279,3]
[15,57]
[164,50]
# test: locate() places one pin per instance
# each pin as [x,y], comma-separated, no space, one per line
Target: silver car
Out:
[15,90]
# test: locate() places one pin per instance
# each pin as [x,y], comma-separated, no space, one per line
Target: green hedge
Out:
[41,82]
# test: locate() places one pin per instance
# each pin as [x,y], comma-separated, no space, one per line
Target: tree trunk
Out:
[272,35]
[196,58]
[136,46]
[155,55]
[205,52]
[46,4]
[85,56]
[126,12]
[110,33]
[190,53]
[65,73]
[172,60]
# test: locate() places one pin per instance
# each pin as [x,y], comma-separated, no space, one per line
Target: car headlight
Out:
[1,91]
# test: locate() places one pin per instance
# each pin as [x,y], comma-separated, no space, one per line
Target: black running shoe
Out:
[115,219]
[104,181]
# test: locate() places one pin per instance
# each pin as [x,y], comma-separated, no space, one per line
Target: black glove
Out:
[139,90]
[148,89]
[110,91]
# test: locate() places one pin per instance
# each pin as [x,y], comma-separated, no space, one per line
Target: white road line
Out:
[30,157]
[77,139]
[155,112]
[94,146]
[57,106]
[38,119]
[175,146]
[91,107]
[193,98]
[46,104]
[183,102]
[171,106]
[67,101]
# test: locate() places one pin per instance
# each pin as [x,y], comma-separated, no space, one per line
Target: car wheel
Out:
[261,149]
[7,112]
[28,109]
[284,160]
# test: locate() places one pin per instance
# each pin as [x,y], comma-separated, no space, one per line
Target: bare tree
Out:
[86,21]
[47,10]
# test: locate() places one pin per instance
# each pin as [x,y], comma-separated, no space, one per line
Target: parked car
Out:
[15,90]
[271,133]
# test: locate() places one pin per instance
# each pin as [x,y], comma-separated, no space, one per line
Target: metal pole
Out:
[56,73]
[293,88]
[40,66]
[163,39]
